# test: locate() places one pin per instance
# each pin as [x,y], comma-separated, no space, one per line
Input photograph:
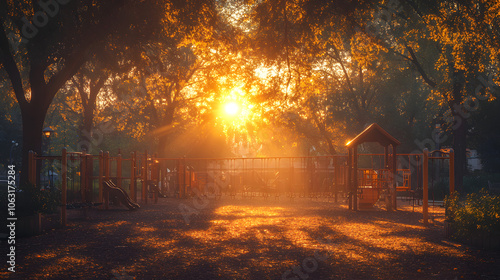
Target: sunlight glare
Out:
[232,108]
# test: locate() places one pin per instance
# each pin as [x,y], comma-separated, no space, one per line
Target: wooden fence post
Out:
[64,186]
[349,176]
[119,171]
[133,186]
[452,171]
[180,178]
[83,176]
[336,175]
[90,177]
[106,166]
[355,177]
[155,177]
[101,175]
[145,179]
[425,178]
[394,173]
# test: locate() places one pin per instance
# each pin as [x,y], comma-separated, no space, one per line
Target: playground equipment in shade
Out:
[376,181]
[332,177]
[118,195]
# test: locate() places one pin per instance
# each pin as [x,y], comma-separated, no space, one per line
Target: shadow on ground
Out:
[249,239]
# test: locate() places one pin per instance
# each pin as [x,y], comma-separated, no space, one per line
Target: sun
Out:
[231,108]
[235,111]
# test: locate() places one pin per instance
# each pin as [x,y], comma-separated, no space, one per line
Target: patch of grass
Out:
[476,215]
[33,199]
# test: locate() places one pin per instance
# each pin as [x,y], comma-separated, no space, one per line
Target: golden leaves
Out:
[460,34]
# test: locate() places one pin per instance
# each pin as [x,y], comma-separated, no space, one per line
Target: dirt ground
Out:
[249,239]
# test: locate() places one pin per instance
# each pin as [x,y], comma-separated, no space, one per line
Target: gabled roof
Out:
[374,133]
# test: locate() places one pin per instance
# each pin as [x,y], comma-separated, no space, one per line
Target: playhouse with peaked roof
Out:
[369,185]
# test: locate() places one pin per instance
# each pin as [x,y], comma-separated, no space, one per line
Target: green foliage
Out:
[478,215]
[10,128]
[32,199]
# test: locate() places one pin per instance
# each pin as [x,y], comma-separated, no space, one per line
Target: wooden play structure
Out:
[367,185]
[102,180]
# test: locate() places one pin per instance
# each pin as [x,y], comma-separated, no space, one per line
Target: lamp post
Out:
[47,132]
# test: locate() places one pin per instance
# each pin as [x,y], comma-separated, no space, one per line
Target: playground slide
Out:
[121,195]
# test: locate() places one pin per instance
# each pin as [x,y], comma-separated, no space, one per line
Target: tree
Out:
[10,127]
[330,77]
[465,36]
[58,39]
[93,85]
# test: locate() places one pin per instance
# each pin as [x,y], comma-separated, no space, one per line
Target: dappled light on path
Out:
[258,239]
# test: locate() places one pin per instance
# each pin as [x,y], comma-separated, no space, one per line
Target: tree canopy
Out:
[302,77]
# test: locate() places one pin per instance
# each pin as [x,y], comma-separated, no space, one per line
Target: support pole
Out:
[133,185]
[291,181]
[64,186]
[83,177]
[144,196]
[106,178]
[349,176]
[155,177]
[336,175]
[355,177]
[425,178]
[386,157]
[90,177]
[388,167]
[178,181]
[101,175]
[393,179]
[452,172]
[181,178]
[119,171]
[184,183]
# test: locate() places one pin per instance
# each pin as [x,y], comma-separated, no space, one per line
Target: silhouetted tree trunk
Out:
[459,127]
[32,119]
[89,101]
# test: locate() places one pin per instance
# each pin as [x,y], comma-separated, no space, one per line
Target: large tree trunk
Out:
[38,58]
[88,120]
[89,107]
[163,139]
[460,149]
[86,130]
[459,126]
[32,118]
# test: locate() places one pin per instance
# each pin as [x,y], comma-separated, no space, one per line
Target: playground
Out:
[251,239]
[266,139]
[354,216]
[360,179]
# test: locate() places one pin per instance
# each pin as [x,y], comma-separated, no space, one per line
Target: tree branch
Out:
[11,68]
[420,69]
